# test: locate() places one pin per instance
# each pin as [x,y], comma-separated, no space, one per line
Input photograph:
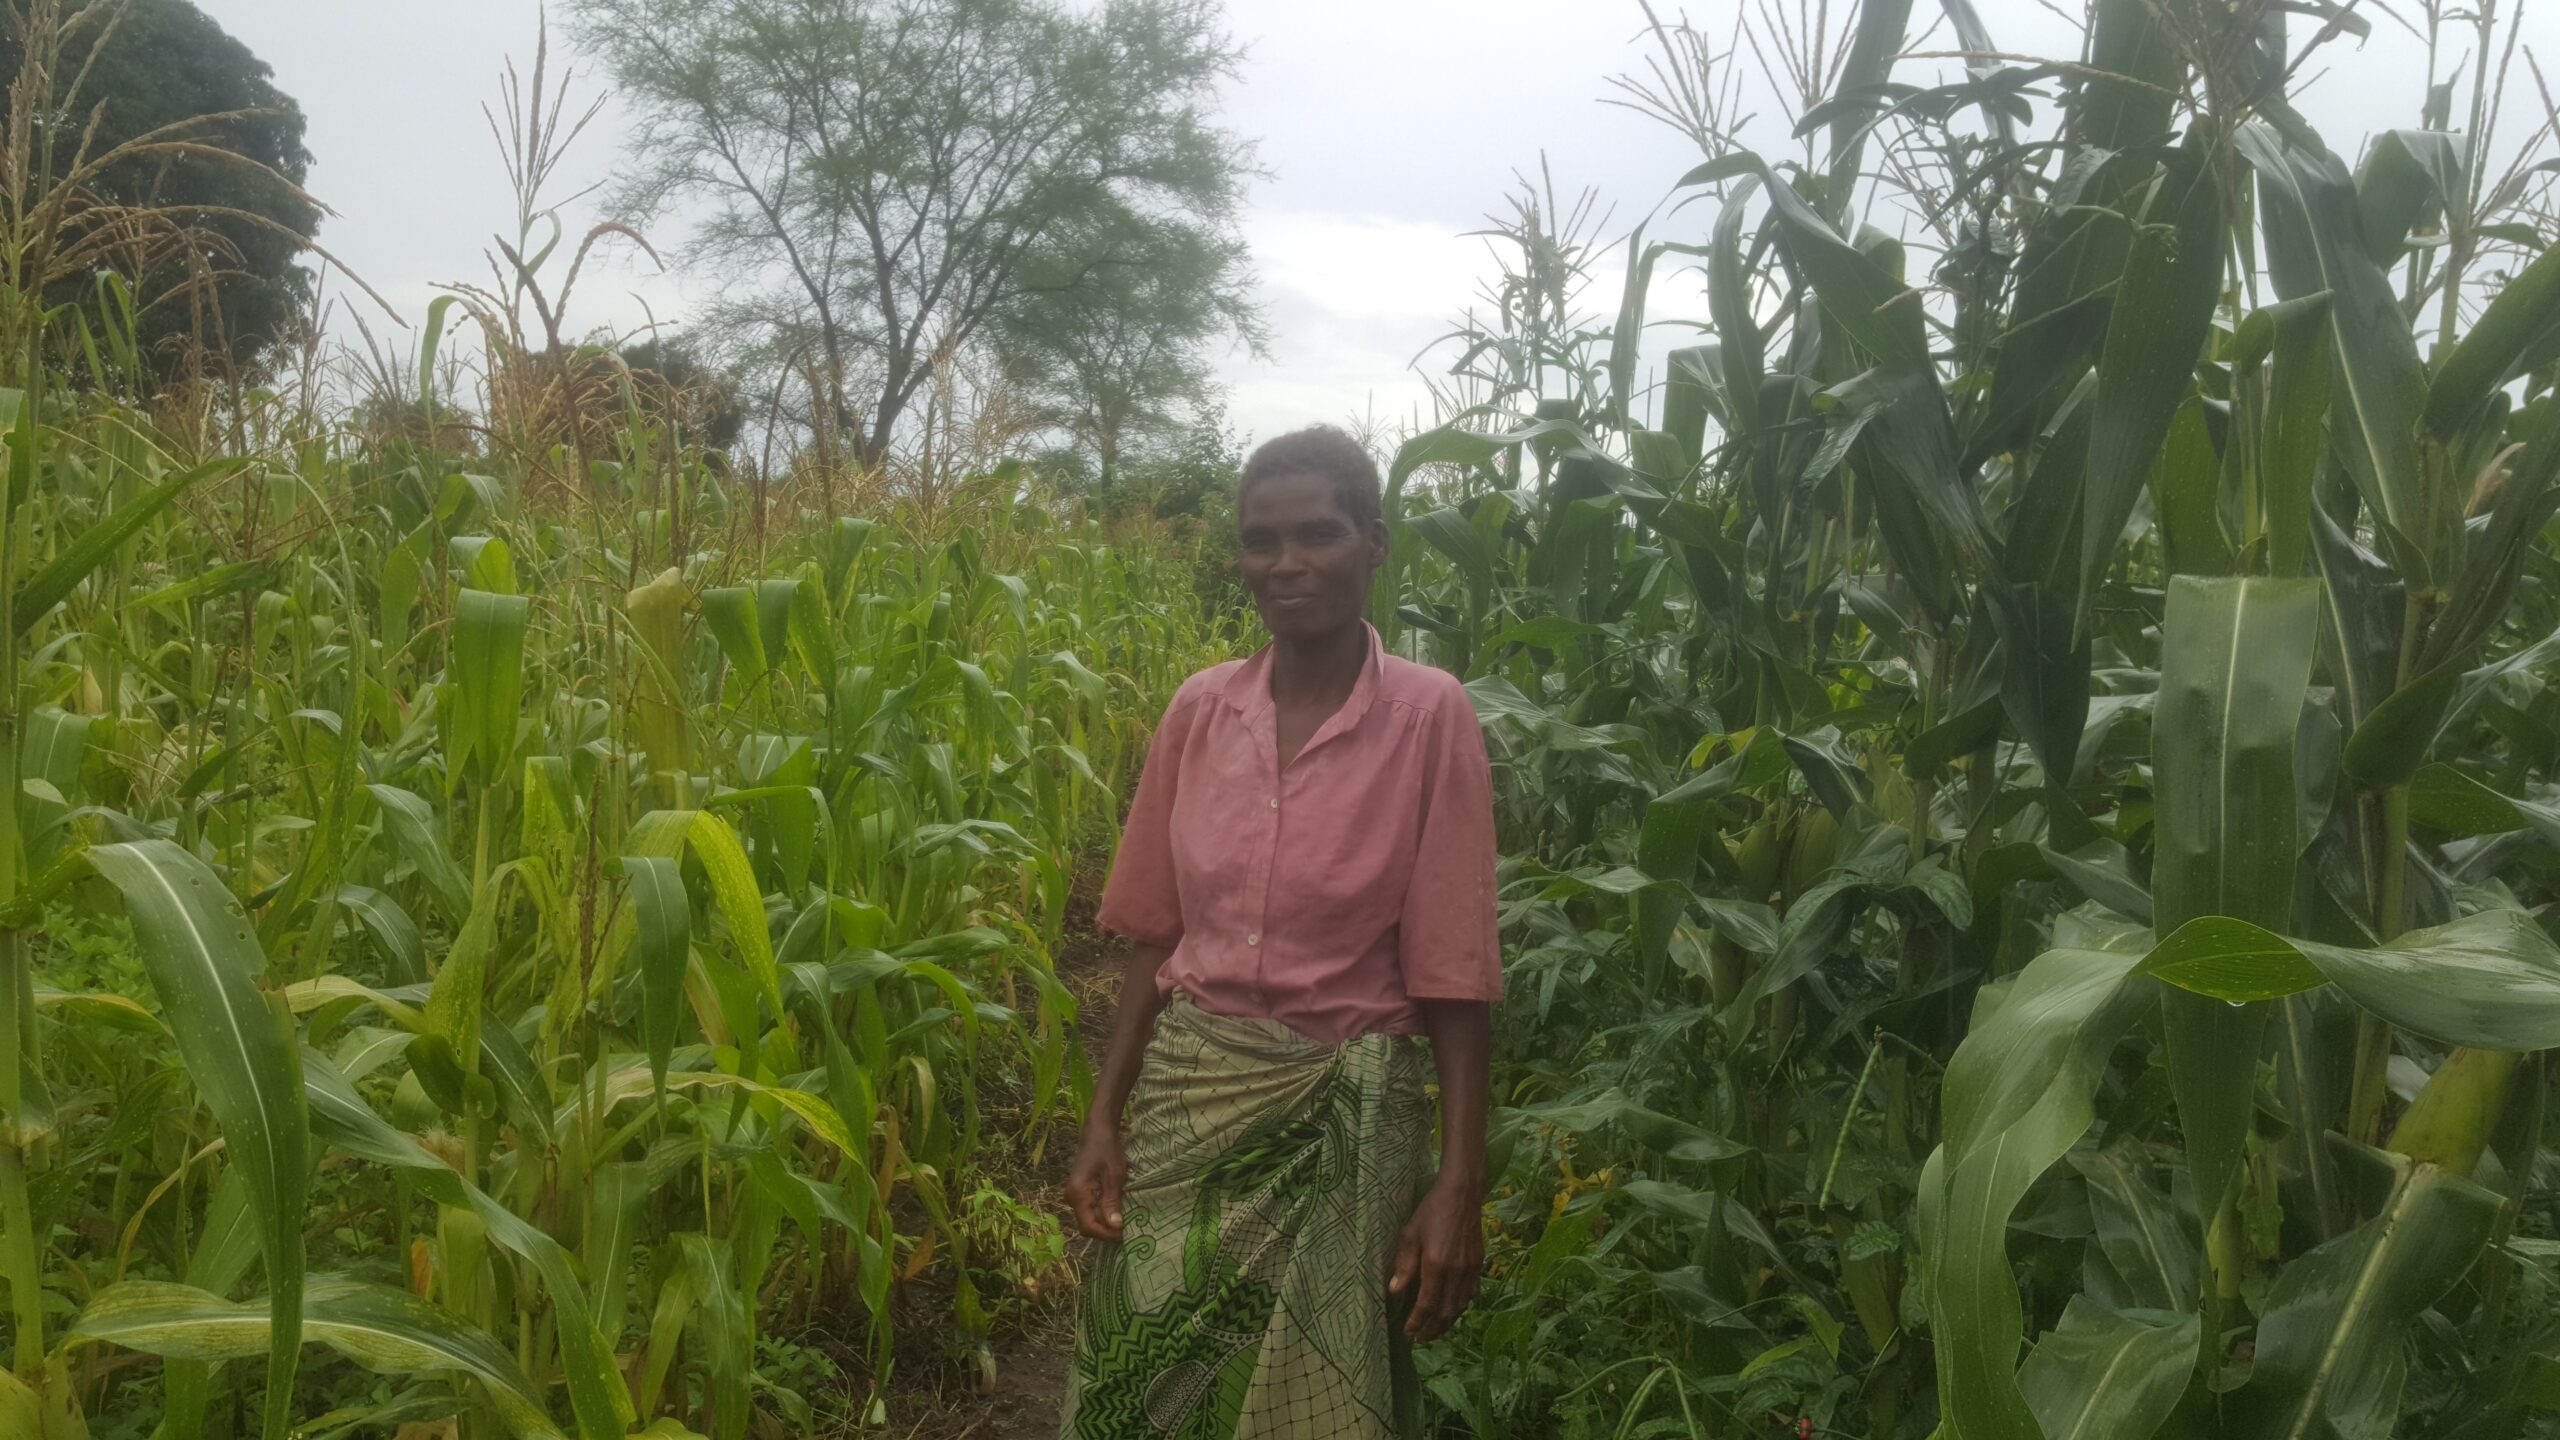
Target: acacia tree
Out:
[881,178]
[1122,348]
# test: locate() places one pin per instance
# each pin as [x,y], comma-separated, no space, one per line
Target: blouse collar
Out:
[1248,689]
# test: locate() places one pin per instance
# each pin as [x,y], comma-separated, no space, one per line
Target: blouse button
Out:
[1253,939]
[1275,802]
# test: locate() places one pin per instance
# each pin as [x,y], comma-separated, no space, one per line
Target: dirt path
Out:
[1032,1363]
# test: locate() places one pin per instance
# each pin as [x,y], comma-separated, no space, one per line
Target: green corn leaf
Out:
[666,833]
[453,1011]
[724,1331]
[614,1195]
[225,1249]
[2017,1097]
[2490,980]
[48,587]
[811,629]
[2406,181]
[2127,38]
[415,834]
[2153,1248]
[212,584]
[2389,745]
[487,563]
[2156,330]
[2233,680]
[2316,245]
[657,623]
[664,935]
[389,1332]
[1626,338]
[2446,799]
[238,1047]
[488,669]
[340,1118]
[2235,669]
[2489,355]
[2186,484]
[2330,1352]
[391,928]
[2109,1375]
[2292,337]
[2234,673]
[731,613]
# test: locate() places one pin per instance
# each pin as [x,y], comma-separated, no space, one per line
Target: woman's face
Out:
[1306,561]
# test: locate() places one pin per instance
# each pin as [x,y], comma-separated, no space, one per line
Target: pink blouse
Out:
[1329,895]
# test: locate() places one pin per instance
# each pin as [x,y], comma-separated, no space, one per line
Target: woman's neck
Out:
[1320,666]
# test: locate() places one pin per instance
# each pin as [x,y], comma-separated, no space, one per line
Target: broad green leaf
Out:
[389,1332]
[1930,516]
[2405,182]
[2235,668]
[488,671]
[411,824]
[2156,331]
[2292,337]
[2488,356]
[724,1331]
[392,929]
[2316,244]
[2392,742]
[812,629]
[341,1118]
[453,1010]
[2330,1353]
[239,1050]
[731,613]
[663,938]
[667,833]
[1874,306]
[2109,1375]
[2490,981]
[2017,1097]
[2152,1247]
[487,563]
[48,587]
[657,624]
[2443,798]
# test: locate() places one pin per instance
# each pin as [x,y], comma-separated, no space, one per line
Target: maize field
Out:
[2027,756]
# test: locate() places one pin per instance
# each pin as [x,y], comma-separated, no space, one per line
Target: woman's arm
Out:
[1441,1255]
[1101,1170]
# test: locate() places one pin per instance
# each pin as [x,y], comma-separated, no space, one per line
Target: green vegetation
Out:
[2030,856]
[2029,774]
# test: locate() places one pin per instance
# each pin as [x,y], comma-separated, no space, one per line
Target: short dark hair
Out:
[1326,453]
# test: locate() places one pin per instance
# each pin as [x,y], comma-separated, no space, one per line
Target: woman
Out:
[1307,873]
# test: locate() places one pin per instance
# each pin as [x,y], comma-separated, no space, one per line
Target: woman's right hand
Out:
[1097,1180]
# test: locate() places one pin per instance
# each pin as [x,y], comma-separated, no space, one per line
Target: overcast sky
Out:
[1391,127]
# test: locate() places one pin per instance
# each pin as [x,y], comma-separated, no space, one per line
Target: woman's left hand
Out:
[1440,1258]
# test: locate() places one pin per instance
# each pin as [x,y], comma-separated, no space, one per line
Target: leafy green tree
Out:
[1122,347]
[163,68]
[894,180]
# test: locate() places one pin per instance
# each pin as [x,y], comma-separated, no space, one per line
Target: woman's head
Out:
[1309,532]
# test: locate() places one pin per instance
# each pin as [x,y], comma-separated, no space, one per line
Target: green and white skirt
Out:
[1269,1178]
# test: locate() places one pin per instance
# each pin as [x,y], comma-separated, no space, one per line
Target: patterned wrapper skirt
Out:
[1270,1176]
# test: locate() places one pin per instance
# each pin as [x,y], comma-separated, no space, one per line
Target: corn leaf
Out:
[239,1050]
[49,586]
[389,1332]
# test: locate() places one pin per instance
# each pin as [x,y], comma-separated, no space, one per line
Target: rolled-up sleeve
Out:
[1141,899]
[1448,936]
